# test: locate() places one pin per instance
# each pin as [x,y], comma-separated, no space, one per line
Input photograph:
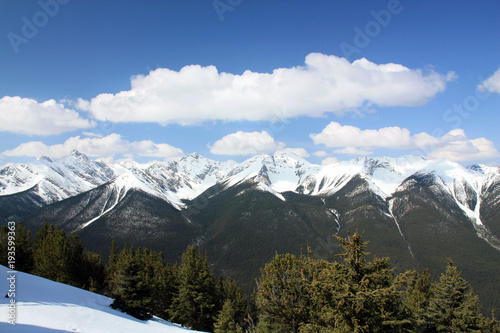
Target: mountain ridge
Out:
[49,181]
[419,212]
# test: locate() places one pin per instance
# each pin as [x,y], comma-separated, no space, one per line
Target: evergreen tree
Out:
[166,287]
[228,289]
[287,291]
[194,305]
[161,279]
[416,301]
[24,250]
[281,293]
[75,264]
[112,270]
[4,231]
[15,240]
[132,294]
[454,307]
[226,322]
[363,294]
[94,272]
[51,254]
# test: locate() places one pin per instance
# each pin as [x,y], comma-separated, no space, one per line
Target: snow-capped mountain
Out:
[275,174]
[53,181]
[414,210]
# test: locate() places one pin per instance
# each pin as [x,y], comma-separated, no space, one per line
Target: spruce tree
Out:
[51,254]
[281,293]
[226,322]
[289,297]
[24,250]
[4,245]
[416,301]
[194,305]
[132,294]
[112,270]
[228,289]
[364,294]
[453,306]
[21,250]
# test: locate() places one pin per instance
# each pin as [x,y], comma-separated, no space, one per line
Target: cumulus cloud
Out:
[454,145]
[106,147]
[324,84]
[246,144]
[27,116]
[337,135]
[329,160]
[491,84]
[297,151]
[321,153]
[353,151]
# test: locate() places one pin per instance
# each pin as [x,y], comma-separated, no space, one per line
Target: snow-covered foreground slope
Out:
[44,306]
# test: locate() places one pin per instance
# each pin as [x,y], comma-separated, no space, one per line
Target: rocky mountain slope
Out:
[418,212]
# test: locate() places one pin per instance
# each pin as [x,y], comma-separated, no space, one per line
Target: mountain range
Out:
[417,211]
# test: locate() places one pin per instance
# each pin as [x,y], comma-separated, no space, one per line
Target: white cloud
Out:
[353,151]
[92,134]
[297,151]
[329,160]
[106,148]
[454,145]
[27,116]
[337,135]
[491,84]
[246,143]
[321,153]
[325,84]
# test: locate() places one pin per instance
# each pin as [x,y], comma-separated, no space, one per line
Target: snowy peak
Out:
[185,179]
[55,180]
[386,175]
[280,173]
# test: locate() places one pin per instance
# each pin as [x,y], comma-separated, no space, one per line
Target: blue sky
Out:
[330,80]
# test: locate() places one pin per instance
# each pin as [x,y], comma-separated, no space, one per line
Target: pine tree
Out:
[228,289]
[453,306]
[51,254]
[194,305]
[24,250]
[288,295]
[165,287]
[281,297]
[226,322]
[75,264]
[416,300]
[4,231]
[94,272]
[364,294]
[132,294]
[15,242]
[112,270]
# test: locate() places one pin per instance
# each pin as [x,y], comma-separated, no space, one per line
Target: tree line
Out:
[293,293]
